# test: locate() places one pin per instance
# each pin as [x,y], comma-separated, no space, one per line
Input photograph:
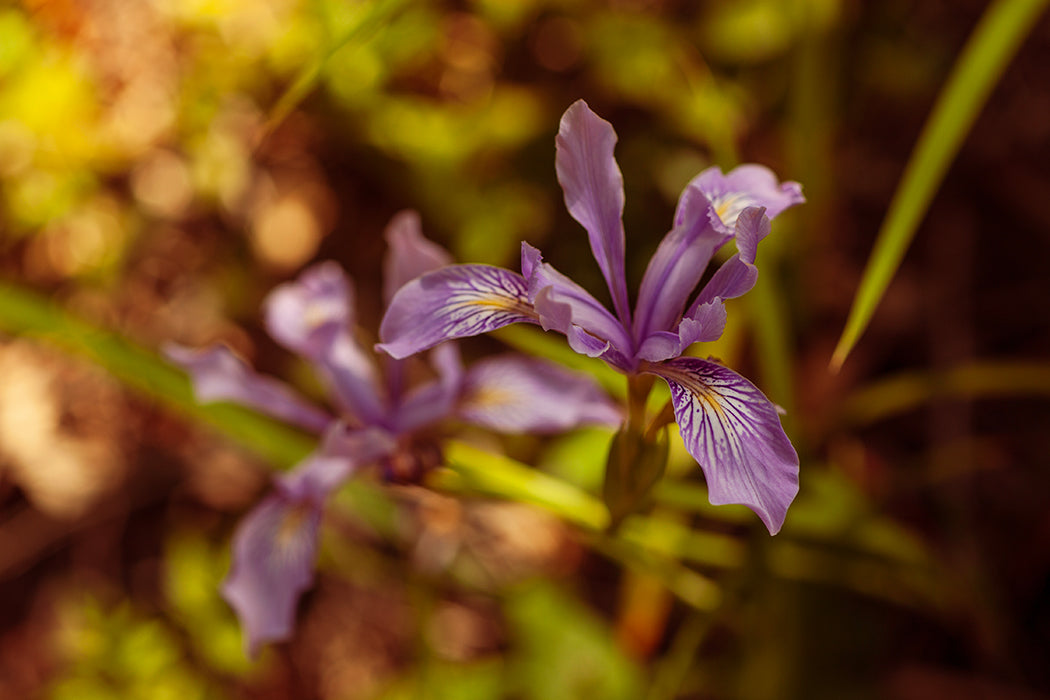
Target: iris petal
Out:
[274,550]
[314,317]
[676,268]
[219,375]
[734,432]
[409,253]
[593,187]
[515,394]
[454,302]
[745,186]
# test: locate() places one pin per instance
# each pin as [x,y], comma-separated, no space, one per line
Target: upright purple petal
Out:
[676,268]
[454,302]
[350,375]
[314,317]
[746,186]
[705,325]
[737,275]
[409,253]
[593,187]
[434,400]
[219,375]
[734,432]
[305,314]
[560,302]
[512,393]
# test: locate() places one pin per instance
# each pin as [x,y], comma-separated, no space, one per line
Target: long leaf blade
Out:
[994,42]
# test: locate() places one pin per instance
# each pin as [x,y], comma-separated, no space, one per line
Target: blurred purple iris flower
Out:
[727,424]
[384,419]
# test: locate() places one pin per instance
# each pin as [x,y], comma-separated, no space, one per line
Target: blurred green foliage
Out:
[163,164]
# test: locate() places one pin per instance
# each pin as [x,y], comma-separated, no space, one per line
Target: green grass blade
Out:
[994,42]
[26,313]
[377,16]
[981,380]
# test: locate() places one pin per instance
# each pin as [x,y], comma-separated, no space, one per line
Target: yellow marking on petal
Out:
[314,315]
[291,526]
[491,397]
[502,303]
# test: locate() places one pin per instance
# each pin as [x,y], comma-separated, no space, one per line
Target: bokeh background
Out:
[164,163]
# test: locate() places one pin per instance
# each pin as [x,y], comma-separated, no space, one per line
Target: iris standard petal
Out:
[593,187]
[734,432]
[305,314]
[434,400]
[454,302]
[350,375]
[676,268]
[409,253]
[219,375]
[274,550]
[737,275]
[513,393]
[745,186]
[706,325]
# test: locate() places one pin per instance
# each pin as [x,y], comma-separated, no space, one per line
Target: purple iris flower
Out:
[727,424]
[378,418]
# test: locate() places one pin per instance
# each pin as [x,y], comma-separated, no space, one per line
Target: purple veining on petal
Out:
[409,253]
[734,432]
[454,302]
[512,393]
[593,188]
[219,375]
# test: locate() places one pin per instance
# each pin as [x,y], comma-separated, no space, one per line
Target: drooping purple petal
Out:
[305,314]
[737,275]
[275,546]
[560,302]
[274,550]
[512,393]
[734,432]
[434,400]
[219,375]
[593,187]
[409,253]
[454,302]
[676,268]
[746,186]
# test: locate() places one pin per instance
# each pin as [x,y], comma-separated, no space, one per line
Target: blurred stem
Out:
[379,12]
[992,45]
[673,668]
[27,313]
[771,329]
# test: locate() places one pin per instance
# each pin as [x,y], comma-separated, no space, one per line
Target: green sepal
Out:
[634,466]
